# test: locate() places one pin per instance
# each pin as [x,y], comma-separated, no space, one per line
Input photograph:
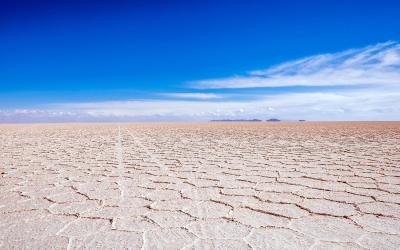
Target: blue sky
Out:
[153,60]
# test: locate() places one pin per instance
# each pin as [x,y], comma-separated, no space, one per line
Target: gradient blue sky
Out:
[167,60]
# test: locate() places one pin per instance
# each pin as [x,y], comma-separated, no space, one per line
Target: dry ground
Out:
[200,185]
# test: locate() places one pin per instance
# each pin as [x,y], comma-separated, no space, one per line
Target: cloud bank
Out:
[368,104]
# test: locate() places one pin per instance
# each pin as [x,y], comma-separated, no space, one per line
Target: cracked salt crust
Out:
[200,186]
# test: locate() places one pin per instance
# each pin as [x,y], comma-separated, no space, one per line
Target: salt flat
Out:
[200,186]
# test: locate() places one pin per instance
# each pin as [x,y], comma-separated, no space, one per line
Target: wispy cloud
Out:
[373,65]
[199,96]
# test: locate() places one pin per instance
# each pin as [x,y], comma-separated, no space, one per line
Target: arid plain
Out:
[294,185]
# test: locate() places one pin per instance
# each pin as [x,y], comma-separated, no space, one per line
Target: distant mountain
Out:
[273,120]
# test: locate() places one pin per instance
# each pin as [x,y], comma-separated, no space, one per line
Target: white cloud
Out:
[376,68]
[200,96]
[372,65]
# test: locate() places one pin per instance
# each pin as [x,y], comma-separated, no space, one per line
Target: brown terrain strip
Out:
[200,186]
